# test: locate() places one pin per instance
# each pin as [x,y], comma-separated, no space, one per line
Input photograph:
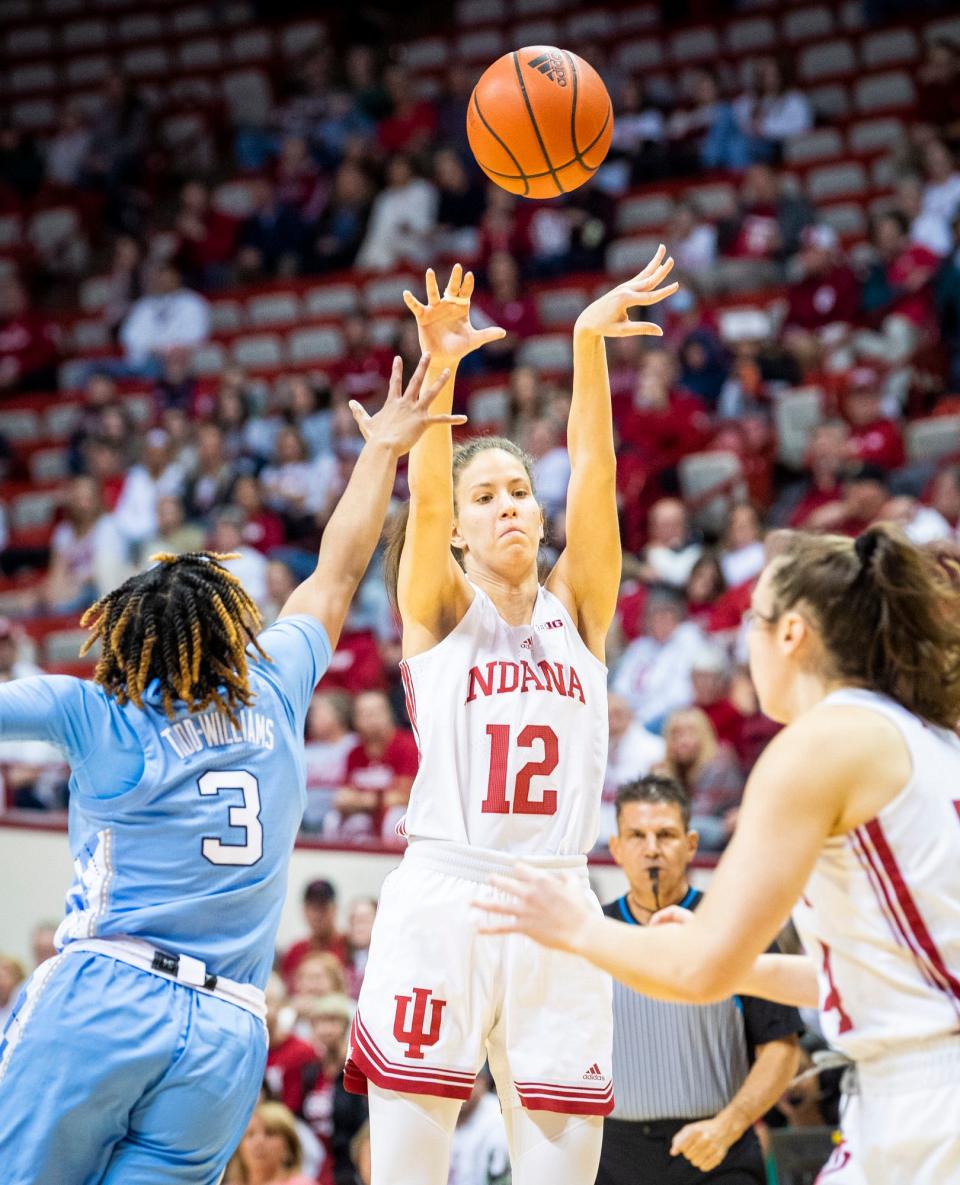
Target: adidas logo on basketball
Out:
[552,65]
[594,1074]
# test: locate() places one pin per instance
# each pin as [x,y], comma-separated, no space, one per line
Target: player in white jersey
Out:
[506,687]
[854,812]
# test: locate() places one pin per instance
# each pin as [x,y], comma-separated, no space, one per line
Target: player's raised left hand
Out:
[608,315]
[405,416]
[548,907]
[443,323]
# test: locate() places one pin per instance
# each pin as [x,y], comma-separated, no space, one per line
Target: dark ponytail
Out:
[888,613]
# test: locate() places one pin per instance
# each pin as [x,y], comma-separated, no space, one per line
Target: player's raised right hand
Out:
[444,321]
[405,416]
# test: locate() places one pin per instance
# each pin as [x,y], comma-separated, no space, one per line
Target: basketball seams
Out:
[536,127]
[577,155]
[521,176]
[527,177]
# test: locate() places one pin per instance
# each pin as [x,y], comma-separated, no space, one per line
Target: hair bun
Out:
[865,545]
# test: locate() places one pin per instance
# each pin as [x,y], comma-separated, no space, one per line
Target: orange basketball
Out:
[540,121]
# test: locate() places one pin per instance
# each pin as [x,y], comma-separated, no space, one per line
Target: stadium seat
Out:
[489,408]
[257,350]
[837,180]
[89,69]
[642,212]
[884,172]
[90,334]
[543,31]
[826,59]
[149,62]
[331,300]
[15,10]
[639,53]
[34,114]
[36,76]
[298,38]
[947,27]
[11,228]
[877,92]
[62,7]
[931,439]
[51,229]
[36,508]
[846,218]
[717,199]
[749,34]
[91,33]
[632,17]
[94,293]
[226,315]
[19,425]
[194,19]
[561,306]
[274,308]
[587,25]
[536,7]
[479,12]
[386,293]
[426,53]
[822,144]
[64,646]
[852,14]
[61,419]
[27,41]
[250,45]
[889,47]
[869,135]
[546,351]
[710,483]
[316,344]
[625,257]
[795,414]
[49,464]
[199,53]
[209,359]
[234,198]
[479,45]
[140,26]
[248,95]
[383,331]
[695,45]
[805,24]
[829,101]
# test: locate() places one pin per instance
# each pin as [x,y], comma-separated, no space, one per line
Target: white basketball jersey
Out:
[881,911]
[511,723]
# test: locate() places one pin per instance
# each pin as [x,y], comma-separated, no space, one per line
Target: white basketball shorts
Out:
[438,998]
[902,1122]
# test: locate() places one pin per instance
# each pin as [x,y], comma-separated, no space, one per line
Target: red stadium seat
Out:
[889,47]
[806,24]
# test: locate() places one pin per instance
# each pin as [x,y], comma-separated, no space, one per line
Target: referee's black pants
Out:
[638,1153]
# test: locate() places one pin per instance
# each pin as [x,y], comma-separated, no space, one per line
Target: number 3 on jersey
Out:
[245,816]
[496,802]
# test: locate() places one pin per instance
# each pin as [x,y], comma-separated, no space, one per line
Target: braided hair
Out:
[186,622]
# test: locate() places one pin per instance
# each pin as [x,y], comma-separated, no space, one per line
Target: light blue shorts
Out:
[110,1075]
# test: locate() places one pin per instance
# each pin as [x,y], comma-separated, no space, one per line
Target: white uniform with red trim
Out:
[511,722]
[881,915]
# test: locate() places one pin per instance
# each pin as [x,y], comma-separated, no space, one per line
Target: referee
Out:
[690,1080]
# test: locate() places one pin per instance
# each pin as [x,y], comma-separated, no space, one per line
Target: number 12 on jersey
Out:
[530,737]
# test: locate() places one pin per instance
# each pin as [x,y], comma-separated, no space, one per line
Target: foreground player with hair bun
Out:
[506,689]
[852,818]
[136,1054]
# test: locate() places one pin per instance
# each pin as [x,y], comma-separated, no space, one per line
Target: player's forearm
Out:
[784,979]
[677,963]
[590,428]
[775,1065]
[355,526]
[431,458]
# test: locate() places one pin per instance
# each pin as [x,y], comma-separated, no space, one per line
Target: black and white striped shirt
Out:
[685,1061]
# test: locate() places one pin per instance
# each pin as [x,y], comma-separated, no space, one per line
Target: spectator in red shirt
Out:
[827,454]
[362,370]
[287,1054]
[503,303]
[300,186]
[411,123]
[864,494]
[320,914]
[663,421]
[764,233]
[263,529]
[827,292]
[898,292]
[873,436]
[380,772]
[710,676]
[29,350]
[206,238]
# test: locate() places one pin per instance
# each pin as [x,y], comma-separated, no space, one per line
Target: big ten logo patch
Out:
[419,1032]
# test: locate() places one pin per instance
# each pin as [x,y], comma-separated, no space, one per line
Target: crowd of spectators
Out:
[354,169]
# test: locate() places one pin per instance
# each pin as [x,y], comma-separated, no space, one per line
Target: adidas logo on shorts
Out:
[552,65]
[594,1074]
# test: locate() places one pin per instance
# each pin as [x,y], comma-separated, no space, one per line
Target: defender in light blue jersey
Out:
[137,1053]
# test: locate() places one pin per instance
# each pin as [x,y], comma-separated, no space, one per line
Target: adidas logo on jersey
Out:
[594,1074]
[551,65]
[526,644]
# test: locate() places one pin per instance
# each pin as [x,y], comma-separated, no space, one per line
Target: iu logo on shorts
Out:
[415,1036]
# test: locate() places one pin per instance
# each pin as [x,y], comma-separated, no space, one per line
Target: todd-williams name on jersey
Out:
[501,678]
[214,729]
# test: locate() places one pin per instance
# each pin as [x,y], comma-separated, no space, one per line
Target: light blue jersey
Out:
[181,831]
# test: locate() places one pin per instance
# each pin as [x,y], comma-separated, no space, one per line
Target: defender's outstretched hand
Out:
[549,908]
[607,316]
[444,321]
[405,416]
